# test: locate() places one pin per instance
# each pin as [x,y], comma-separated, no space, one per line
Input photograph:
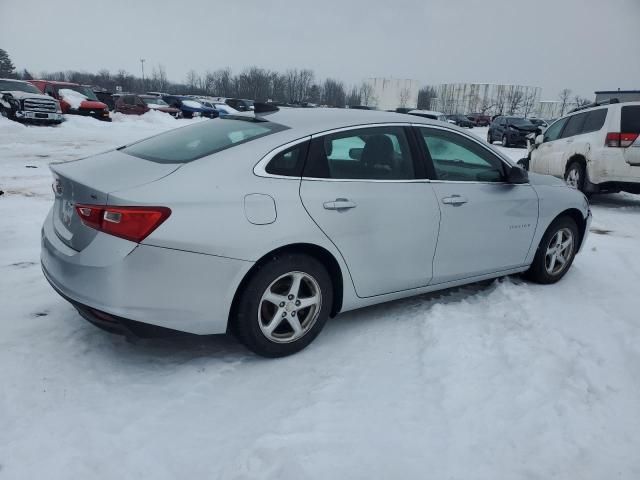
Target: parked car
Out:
[265,226]
[74,99]
[240,104]
[430,114]
[538,122]
[22,102]
[134,104]
[480,119]
[189,107]
[105,96]
[595,149]
[511,131]
[222,108]
[460,120]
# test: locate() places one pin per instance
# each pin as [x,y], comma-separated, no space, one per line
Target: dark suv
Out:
[511,131]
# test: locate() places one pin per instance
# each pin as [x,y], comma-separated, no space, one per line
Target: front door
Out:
[549,152]
[486,225]
[364,188]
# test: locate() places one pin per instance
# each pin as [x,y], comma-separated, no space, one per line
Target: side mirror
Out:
[539,139]
[517,175]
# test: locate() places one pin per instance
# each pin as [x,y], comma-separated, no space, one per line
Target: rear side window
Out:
[630,119]
[289,162]
[377,153]
[574,125]
[595,120]
[186,144]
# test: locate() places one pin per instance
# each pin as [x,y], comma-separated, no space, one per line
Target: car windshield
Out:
[86,91]
[520,122]
[184,145]
[6,85]
[154,101]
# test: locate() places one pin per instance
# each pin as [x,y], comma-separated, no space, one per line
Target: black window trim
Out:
[431,168]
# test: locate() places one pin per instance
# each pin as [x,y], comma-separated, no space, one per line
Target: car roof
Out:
[13,80]
[308,121]
[55,82]
[426,112]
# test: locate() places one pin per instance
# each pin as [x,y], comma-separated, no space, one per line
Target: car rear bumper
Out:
[119,282]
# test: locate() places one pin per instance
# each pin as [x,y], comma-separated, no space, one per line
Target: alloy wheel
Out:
[289,307]
[559,252]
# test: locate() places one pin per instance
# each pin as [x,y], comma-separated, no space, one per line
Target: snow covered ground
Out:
[499,380]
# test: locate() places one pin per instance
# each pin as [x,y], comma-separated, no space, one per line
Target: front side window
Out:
[553,132]
[377,153]
[574,125]
[457,158]
[186,144]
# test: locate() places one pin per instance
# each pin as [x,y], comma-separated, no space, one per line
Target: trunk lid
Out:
[90,181]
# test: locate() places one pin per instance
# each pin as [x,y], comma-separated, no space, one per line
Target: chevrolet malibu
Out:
[265,225]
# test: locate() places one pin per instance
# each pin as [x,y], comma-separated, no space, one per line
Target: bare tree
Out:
[514,99]
[404,96]
[159,79]
[333,93]
[426,96]
[581,101]
[354,97]
[367,95]
[192,80]
[564,97]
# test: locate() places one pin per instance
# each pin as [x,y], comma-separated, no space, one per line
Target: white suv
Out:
[595,149]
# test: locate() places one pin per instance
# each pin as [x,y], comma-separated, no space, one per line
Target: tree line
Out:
[293,86]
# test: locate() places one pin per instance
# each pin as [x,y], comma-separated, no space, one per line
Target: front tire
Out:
[505,141]
[284,305]
[556,251]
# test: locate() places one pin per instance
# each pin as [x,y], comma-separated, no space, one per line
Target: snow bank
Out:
[73,98]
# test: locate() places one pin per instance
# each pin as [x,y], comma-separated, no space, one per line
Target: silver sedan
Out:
[265,225]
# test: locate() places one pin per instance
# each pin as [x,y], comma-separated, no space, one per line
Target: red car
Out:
[480,119]
[74,99]
[132,104]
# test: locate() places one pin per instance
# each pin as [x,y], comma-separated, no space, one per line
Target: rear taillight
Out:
[131,223]
[620,140]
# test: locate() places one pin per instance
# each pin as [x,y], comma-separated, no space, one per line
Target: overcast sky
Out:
[584,45]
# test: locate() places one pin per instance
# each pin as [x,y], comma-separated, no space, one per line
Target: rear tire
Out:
[556,252]
[575,176]
[270,316]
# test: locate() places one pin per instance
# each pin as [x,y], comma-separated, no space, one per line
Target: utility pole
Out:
[142,65]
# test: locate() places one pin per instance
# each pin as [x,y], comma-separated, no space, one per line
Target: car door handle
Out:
[570,140]
[339,204]
[455,200]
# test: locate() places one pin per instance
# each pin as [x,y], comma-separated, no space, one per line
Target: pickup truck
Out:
[22,102]
[74,99]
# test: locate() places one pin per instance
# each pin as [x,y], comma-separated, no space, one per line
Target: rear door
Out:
[486,225]
[365,189]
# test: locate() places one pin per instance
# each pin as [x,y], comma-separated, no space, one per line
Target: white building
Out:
[487,98]
[391,93]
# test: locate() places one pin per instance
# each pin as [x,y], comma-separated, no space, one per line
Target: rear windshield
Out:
[630,119]
[186,144]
